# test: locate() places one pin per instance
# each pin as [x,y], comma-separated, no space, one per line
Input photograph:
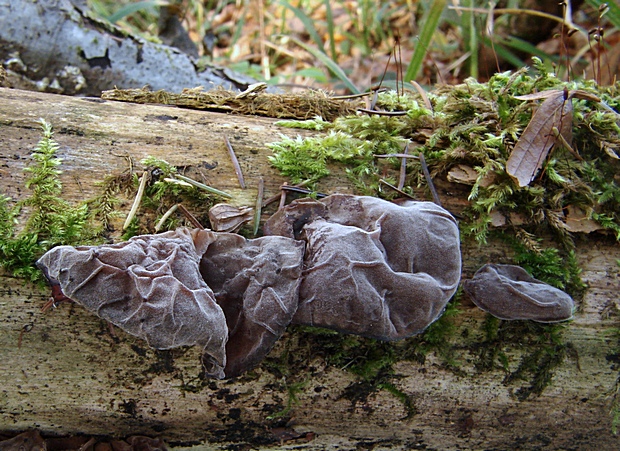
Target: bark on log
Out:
[63,372]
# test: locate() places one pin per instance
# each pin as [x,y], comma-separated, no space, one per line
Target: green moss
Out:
[50,220]
[557,267]
[536,349]
[476,125]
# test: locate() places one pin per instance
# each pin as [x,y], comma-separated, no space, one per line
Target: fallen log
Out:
[468,386]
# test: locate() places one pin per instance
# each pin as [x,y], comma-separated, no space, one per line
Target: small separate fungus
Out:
[372,267]
[509,292]
[152,287]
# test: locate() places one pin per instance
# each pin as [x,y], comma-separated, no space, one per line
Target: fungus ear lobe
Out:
[149,286]
[372,267]
[256,284]
[290,220]
[509,292]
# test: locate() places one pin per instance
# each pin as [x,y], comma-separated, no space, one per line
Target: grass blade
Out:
[132,8]
[329,16]
[431,21]
[470,37]
[331,65]
[307,21]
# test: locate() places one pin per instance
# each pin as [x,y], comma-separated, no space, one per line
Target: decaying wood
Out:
[63,372]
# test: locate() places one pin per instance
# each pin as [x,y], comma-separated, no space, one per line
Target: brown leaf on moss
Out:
[528,155]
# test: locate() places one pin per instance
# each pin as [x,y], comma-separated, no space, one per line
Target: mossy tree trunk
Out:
[65,372]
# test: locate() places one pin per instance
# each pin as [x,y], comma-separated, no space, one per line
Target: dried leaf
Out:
[462,174]
[228,218]
[579,94]
[539,95]
[578,221]
[538,138]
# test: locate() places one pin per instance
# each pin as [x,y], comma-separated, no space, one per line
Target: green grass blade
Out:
[498,46]
[132,8]
[329,16]
[431,21]
[470,37]
[331,65]
[239,28]
[306,21]
[528,49]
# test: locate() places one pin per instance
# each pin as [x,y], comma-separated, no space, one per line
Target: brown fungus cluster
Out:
[359,265]
[154,287]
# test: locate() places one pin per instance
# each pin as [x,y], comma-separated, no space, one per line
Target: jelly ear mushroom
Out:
[256,283]
[161,288]
[372,267]
[149,286]
[509,292]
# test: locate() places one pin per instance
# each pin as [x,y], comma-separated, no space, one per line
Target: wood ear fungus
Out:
[509,292]
[372,267]
[256,284]
[153,287]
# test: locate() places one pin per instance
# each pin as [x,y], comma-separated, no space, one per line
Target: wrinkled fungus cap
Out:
[509,292]
[372,267]
[256,283]
[153,287]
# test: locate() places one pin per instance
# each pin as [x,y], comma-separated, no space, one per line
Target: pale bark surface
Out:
[62,372]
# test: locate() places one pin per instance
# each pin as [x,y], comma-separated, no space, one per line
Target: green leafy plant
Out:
[51,221]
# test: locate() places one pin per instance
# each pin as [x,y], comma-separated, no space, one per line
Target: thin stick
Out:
[203,186]
[401,192]
[531,12]
[137,200]
[350,96]
[429,181]
[235,162]
[403,169]
[282,198]
[264,58]
[190,217]
[382,113]
[259,204]
[397,155]
[275,197]
[296,189]
[165,217]
[375,98]
[177,182]
[565,144]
